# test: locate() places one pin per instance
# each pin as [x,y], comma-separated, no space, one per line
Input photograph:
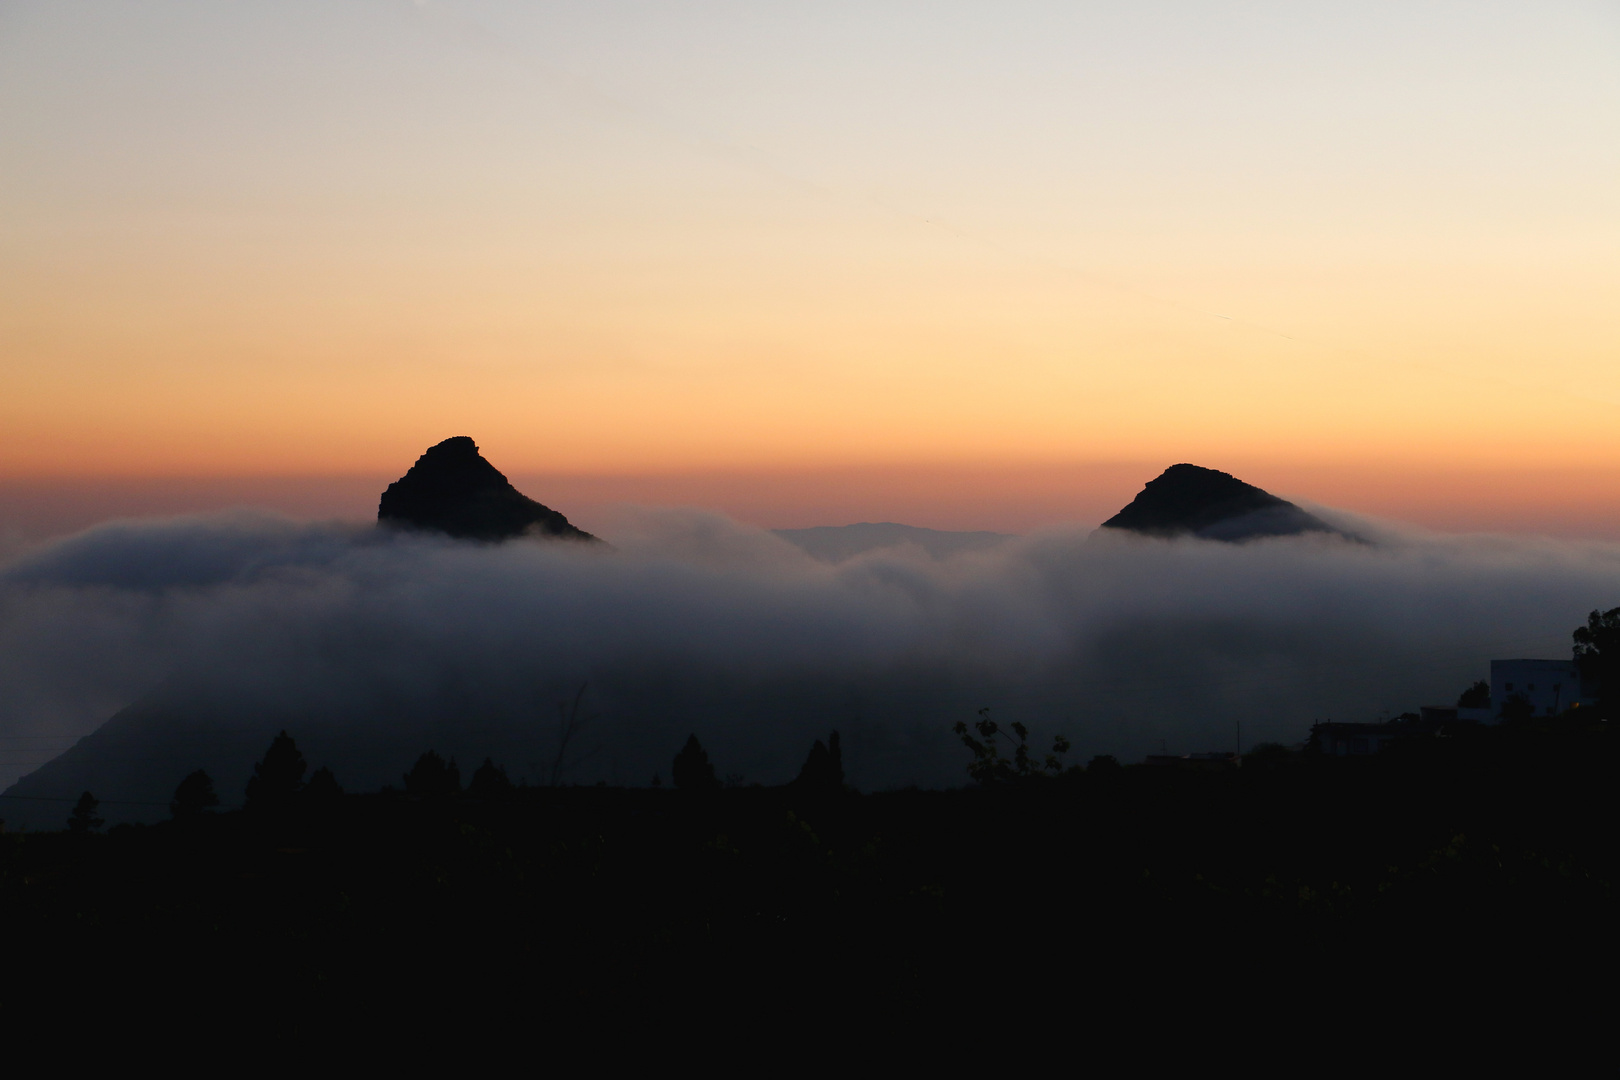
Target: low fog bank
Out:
[370,646]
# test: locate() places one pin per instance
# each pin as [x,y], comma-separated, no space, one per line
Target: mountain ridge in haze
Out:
[835,543]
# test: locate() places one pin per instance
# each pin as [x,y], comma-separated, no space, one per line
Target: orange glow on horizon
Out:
[1364,254]
[1572,503]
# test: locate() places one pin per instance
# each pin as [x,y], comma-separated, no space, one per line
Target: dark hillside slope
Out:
[131,763]
[134,761]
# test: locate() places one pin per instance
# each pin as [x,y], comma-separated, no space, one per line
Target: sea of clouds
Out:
[371,645]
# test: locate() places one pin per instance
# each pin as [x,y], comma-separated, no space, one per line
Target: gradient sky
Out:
[1371,242]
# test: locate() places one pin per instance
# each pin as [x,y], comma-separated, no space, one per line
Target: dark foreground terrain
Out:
[1475,871]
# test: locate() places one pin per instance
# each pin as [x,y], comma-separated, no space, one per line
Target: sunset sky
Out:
[965,264]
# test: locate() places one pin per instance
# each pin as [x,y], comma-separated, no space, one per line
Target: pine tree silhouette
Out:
[323,786]
[83,819]
[433,776]
[194,796]
[823,770]
[489,781]
[278,777]
[692,771]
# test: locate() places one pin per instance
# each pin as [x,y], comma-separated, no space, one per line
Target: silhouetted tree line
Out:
[278,785]
[278,781]
[1444,858]
[1597,654]
[1430,866]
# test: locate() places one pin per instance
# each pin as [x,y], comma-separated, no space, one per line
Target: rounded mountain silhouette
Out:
[452,489]
[1188,500]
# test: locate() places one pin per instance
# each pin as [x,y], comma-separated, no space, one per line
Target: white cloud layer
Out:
[371,646]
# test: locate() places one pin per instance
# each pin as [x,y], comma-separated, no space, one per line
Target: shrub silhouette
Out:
[1104,765]
[194,796]
[1477,696]
[1518,707]
[433,777]
[692,771]
[278,777]
[1270,755]
[83,819]
[823,770]
[1597,654]
[489,781]
[323,786]
[990,766]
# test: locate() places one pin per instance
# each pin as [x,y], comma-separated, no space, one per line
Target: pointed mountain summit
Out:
[452,489]
[1187,500]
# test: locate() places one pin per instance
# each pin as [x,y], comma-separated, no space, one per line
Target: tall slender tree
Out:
[823,770]
[84,818]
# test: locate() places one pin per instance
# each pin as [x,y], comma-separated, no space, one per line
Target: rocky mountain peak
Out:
[453,489]
[1189,500]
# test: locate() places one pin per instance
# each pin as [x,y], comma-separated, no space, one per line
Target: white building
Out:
[1550,686]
